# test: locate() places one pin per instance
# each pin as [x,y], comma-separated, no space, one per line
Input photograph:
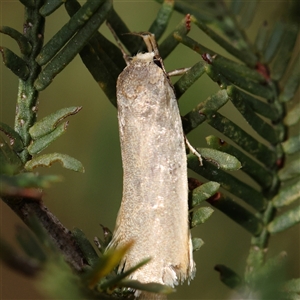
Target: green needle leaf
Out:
[228,182]
[290,170]
[259,150]
[252,86]
[170,43]
[222,160]
[29,180]
[161,21]
[50,6]
[238,214]
[200,215]
[287,195]
[203,192]
[74,46]
[258,124]
[24,45]
[103,59]
[261,175]
[106,264]
[15,139]
[132,43]
[197,243]
[189,78]
[274,41]
[236,6]
[9,160]
[248,14]
[293,285]
[292,145]
[229,277]
[285,221]
[50,122]
[42,143]
[268,110]
[117,279]
[29,3]
[15,63]
[244,55]
[84,244]
[199,114]
[58,41]
[237,68]
[261,37]
[291,85]
[47,160]
[284,54]
[293,116]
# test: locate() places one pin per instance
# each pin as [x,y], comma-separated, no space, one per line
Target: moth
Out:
[154,207]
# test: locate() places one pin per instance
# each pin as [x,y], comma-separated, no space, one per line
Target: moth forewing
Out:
[154,207]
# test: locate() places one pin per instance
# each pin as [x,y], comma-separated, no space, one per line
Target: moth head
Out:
[148,56]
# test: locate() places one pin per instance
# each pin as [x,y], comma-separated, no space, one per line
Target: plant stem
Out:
[26,108]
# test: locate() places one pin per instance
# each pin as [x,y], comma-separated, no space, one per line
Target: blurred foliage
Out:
[261,83]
